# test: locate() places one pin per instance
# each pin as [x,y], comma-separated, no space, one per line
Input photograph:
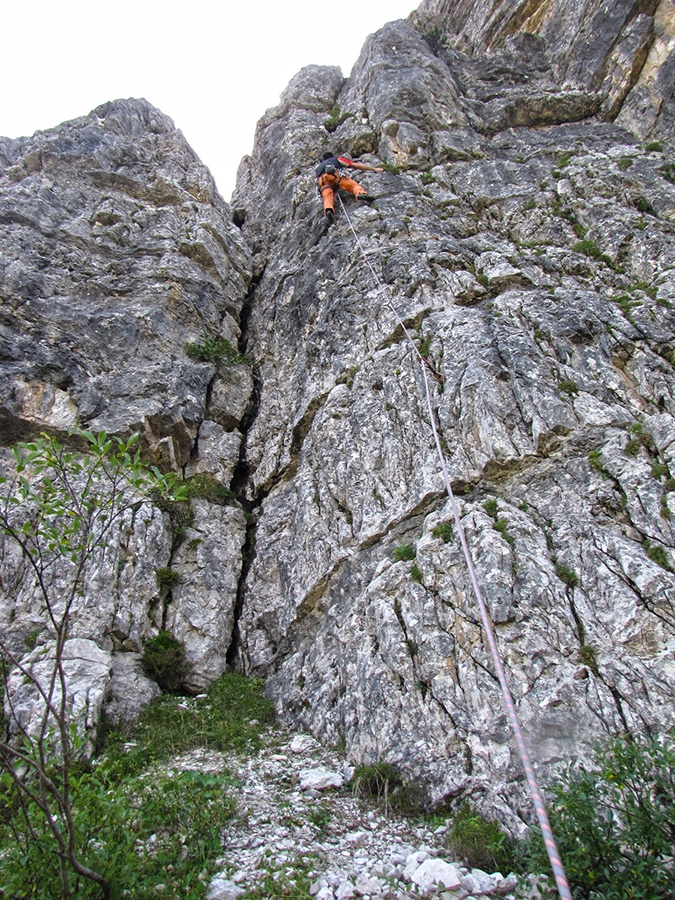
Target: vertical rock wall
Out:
[116,252]
[528,247]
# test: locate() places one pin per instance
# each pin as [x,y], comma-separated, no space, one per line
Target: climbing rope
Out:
[540,807]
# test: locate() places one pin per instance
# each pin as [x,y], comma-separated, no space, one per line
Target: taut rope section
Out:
[540,807]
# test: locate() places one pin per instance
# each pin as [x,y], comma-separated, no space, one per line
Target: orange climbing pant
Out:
[328,184]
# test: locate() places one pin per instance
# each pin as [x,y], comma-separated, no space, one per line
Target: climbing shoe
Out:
[330,216]
[367,198]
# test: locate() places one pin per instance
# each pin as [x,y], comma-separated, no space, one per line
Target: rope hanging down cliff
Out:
[540,808]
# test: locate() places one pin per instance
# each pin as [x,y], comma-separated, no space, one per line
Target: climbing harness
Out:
[540,808]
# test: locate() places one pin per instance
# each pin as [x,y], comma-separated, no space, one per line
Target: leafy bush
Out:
[614,822]
[479,843]
[164,661]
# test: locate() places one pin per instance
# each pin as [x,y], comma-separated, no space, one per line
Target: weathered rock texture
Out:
[116,251]
[524,232]
[527,242]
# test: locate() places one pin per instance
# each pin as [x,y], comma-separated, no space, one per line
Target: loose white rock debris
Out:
[292,817]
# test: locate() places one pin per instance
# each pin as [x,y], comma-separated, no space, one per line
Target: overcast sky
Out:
[213,67]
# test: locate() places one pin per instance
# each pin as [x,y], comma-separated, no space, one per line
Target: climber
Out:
[329,178]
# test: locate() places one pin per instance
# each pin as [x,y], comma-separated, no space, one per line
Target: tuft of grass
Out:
[625,162]
[588,655]
[442,531]
[416,574]
[403,553]
[654,147]
[215,350]
[660,470]
[592,250]
[479,843]
[502,526]
[568,387]
[383,782]
[31,639]
[490,507]
[644,206]
[658,555]
[639,438]
[231,718]
[567,576]
[206,487]
[668,172]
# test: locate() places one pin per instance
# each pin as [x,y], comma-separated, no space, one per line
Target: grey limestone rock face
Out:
[116,252]
[619,55]
[522,239]
[533,267]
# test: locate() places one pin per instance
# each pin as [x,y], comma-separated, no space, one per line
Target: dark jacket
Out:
[337,163]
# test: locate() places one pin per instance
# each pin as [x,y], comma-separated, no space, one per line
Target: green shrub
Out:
[416,574]
[588,655]
[625,163]
[134,823]
[435,38]
[659,470]
[403,553]
[215,350]
[614,822]
[164,661]
[644,206]
[568,387]
[479,843]
[639,438]
[167,578]
[654,147]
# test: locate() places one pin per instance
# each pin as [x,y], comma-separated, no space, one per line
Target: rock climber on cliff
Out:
[329,178]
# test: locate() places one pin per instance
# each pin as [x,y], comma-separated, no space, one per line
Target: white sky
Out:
[213,67]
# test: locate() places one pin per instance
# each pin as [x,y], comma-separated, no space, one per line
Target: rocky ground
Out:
[298,823]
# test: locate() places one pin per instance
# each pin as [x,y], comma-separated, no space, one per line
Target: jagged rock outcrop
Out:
[528,245]
[116,251]
[524,232]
